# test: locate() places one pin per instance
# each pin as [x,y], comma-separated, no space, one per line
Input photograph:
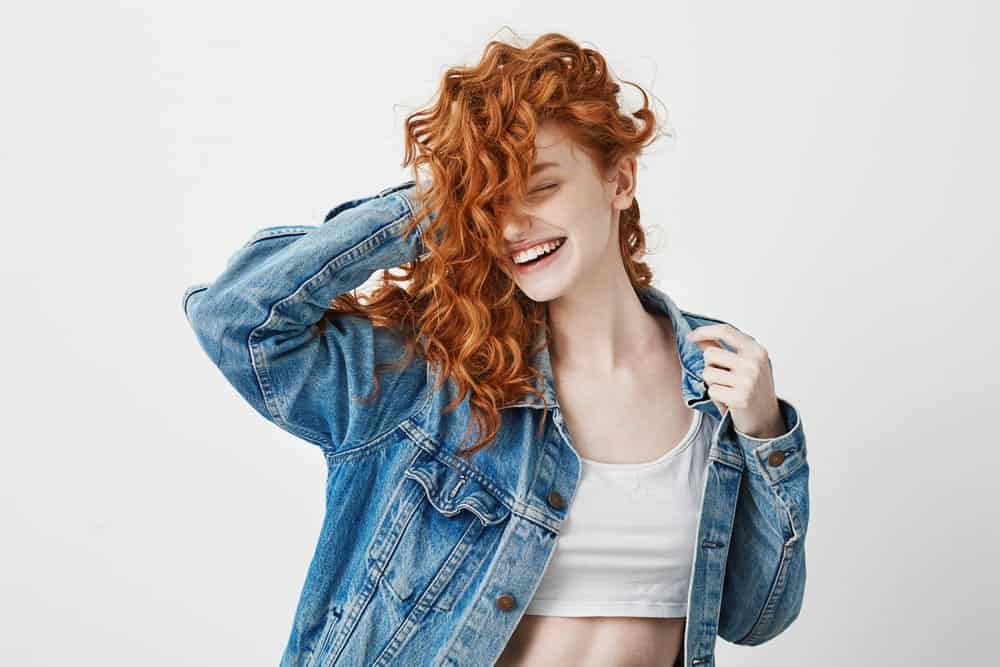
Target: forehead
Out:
[553,144]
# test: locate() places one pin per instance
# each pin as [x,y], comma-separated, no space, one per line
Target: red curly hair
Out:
[477,140]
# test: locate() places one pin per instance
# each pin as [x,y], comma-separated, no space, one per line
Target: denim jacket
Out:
[424,558]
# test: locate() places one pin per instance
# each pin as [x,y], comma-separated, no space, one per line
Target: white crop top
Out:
[627,545]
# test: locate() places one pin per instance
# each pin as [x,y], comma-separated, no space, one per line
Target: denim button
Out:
[556,500]
[506,602]
[776,458]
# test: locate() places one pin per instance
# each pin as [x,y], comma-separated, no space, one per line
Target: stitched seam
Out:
[192,291]
[764,618]
[341,456]
[277,233]
[762,625]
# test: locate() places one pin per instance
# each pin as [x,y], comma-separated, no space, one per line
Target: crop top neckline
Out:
[685,442]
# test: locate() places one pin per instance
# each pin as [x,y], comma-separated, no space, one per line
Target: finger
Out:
[721,396]
[715,376]
[724,359]
[727,333]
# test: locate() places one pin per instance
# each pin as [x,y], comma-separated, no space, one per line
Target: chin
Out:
[545,288]
[551,282]
[541,295]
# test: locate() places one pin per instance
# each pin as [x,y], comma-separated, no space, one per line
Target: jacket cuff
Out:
[772,458]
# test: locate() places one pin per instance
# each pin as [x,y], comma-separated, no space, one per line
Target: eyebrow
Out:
[541,166]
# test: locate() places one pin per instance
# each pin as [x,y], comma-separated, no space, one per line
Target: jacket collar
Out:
[656,301]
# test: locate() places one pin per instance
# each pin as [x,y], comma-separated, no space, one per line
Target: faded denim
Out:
[417,545]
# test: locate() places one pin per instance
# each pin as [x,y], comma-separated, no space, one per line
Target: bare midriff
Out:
[593,641]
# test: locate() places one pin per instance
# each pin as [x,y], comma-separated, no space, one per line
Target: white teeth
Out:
[535,251]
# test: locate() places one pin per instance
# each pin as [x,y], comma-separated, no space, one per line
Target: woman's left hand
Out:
[740,381]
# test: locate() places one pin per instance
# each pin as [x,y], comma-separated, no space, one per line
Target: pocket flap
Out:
[451,490]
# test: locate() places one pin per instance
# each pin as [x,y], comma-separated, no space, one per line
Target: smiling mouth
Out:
[541,259]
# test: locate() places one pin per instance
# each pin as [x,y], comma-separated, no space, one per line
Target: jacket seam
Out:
[705,317]
[191,291]
[456,464]
[269,233]
[762,626]
[333,456]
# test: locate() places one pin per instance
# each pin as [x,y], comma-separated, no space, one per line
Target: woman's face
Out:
[569,201]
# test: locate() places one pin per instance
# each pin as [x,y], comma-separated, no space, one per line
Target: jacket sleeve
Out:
[255,320]
[766,566]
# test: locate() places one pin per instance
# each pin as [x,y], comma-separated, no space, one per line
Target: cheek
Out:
[591,229]
[578,219]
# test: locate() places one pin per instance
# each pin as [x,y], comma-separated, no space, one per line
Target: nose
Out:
[515,227]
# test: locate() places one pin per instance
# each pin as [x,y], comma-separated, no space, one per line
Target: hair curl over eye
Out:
[475,142]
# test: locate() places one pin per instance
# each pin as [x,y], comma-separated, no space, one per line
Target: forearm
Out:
[285,277]
[254,321]
[766,570]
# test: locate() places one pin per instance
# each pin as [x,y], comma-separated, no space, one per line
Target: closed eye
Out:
[546,187]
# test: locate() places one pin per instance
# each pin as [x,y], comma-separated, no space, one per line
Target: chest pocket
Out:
[440,527]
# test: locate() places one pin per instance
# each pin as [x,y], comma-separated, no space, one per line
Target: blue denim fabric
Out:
[424,558]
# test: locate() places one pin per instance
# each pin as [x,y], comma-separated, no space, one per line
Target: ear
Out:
[625,182]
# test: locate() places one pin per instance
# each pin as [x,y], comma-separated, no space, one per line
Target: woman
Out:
[644,440]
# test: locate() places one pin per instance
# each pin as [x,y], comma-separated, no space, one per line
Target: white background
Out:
[831,189]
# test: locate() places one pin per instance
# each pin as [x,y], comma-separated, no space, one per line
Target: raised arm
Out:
[255,319]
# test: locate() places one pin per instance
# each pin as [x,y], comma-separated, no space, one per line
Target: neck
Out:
[600,327]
